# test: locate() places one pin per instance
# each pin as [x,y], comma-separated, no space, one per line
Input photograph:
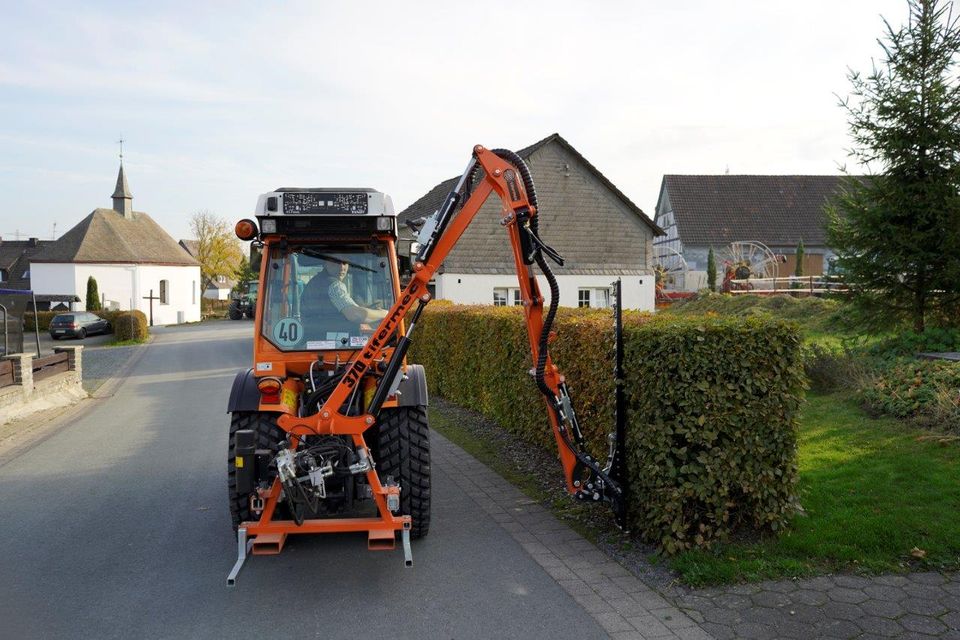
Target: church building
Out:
[132,259]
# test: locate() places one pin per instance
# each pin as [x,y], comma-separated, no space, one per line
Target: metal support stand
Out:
[243,547]
[407,551]
[618,466]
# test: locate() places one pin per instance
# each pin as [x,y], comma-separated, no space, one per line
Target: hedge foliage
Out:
[130,325]
[46,316]
[712,406]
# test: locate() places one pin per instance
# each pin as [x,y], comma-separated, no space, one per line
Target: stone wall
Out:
[27,396]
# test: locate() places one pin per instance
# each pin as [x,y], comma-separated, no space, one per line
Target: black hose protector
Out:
[541,365]
[540,369]
[531,190]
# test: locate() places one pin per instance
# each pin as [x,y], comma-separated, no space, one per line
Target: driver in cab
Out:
[329,286]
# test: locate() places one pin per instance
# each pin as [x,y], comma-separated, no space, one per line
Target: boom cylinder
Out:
[393,367]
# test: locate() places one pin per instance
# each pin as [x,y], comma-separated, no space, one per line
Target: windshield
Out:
[320,297]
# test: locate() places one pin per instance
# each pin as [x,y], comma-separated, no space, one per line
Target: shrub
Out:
[712,406]
[130,325]
[93,295]
[44,317]
[908,343]
[830,367]
[214,308]
[924,391]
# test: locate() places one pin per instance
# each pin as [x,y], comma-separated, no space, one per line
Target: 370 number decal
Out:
[287,332]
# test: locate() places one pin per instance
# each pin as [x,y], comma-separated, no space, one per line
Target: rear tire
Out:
[404,453]
[82,334]
[268,436]
[235,312]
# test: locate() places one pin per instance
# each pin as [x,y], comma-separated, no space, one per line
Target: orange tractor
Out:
[329,429]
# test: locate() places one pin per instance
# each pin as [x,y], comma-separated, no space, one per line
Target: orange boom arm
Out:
[505,174]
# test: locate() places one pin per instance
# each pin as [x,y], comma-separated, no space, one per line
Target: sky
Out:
[220,101]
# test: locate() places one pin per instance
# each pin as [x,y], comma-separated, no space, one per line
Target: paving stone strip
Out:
[625,607]
[916,605]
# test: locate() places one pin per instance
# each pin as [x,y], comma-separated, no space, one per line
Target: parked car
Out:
[78,324]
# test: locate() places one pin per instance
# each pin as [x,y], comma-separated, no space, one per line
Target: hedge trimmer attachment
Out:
[498,170]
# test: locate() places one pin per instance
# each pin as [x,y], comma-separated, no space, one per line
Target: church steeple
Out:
[122,198]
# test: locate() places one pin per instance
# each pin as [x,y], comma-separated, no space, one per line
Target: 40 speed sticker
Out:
[287,332]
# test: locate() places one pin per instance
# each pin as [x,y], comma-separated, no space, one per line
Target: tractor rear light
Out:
[268,226]
[269,390]
[384,224]
[246,229]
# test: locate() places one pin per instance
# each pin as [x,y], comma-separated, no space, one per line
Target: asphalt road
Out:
[117,526]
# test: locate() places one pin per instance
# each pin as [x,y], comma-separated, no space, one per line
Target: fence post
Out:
[74,358]
[811,285]
[22,371]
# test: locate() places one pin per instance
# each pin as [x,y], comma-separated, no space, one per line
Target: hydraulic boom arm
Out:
[506,174]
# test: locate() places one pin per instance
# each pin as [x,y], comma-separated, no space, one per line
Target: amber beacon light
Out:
[246,229]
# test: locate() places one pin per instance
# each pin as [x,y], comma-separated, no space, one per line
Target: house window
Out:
[164,292]
[506,296]
[193,292]
[602,297]
[596,297]
[3,275]
[221,279]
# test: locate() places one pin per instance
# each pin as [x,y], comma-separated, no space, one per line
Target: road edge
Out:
[33,429]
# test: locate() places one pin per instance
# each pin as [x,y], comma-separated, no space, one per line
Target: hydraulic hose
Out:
[531,190]
[541,364]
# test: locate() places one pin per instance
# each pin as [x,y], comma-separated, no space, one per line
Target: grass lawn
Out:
[873,490]
[124,343]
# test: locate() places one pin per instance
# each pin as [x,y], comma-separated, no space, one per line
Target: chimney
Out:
[122,198]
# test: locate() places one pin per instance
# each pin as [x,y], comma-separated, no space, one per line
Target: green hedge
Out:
[712,406]
[46,316]
[130,325]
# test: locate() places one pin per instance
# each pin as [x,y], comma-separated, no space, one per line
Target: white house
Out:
[131,257]
[601,234]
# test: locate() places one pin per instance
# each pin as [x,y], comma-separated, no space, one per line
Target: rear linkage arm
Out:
[505,173]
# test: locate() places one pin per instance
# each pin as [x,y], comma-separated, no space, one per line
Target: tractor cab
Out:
[321,297]
[328,273]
